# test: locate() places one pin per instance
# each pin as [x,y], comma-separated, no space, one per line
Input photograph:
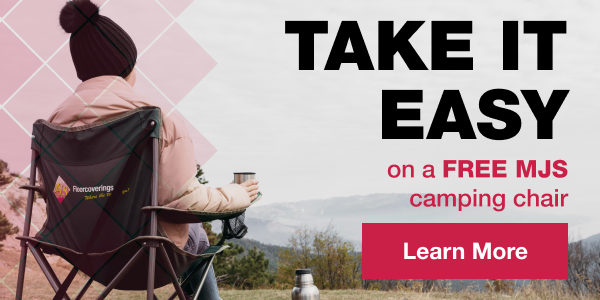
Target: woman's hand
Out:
[251,187]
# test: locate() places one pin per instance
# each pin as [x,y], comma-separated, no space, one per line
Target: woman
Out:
[104,56]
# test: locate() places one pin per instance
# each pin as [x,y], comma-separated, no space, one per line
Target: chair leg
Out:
[205,263]
[84,289]
[167,262]
[151,272]
[206,269]
[46,268]
[26,227]
[21,278]
[121,274]
[62,291]
[187,280]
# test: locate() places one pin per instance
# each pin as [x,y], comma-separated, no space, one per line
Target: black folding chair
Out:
[102,211]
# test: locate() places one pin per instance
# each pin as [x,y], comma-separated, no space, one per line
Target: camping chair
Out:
[102,213]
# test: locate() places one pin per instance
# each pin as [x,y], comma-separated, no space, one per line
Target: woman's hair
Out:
[98,45]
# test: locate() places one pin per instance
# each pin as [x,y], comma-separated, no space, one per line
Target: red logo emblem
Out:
[61,189]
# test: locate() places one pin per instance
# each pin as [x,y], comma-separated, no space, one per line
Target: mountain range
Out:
[275,223]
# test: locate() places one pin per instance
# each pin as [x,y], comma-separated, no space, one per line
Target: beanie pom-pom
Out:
[72,15]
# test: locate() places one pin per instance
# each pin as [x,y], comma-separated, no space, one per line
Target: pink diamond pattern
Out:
[17,63]
[146,89]
[203,149]
[6,5]
[173,64]
[40,96]
[62,64]
[176,63]
[176,7]
[26,19]
[16,144]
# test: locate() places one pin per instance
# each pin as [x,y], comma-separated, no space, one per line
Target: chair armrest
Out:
[35,188]
[180,216]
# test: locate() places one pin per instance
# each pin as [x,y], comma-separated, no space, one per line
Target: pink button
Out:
[465,250]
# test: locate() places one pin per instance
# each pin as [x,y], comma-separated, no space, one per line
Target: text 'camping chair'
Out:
[102,211]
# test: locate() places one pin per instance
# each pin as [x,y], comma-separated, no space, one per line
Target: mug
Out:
[240,177]
[243,177]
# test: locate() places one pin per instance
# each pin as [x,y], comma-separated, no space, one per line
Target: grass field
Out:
[37,288]
[350,295]
[393,295]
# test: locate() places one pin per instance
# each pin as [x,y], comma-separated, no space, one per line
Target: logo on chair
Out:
[61,189]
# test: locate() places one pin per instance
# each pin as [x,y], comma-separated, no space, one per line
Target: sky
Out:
[317,134]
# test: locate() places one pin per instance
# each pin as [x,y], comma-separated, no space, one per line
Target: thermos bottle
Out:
[304,289]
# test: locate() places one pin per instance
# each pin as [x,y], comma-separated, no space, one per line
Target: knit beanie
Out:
[98,45]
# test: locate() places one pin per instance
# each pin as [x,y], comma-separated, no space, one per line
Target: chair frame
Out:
[150,244]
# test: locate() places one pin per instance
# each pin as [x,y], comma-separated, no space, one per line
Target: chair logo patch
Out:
[61,189]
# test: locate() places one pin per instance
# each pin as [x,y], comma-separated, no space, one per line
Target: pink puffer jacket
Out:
[108,96]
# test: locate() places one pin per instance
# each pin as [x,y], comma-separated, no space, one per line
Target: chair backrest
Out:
[97,178]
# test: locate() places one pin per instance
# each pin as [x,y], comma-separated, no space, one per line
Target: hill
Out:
[271,251]
[592,239]
[274,223]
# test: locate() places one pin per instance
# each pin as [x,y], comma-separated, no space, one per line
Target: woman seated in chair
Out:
[104,56]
